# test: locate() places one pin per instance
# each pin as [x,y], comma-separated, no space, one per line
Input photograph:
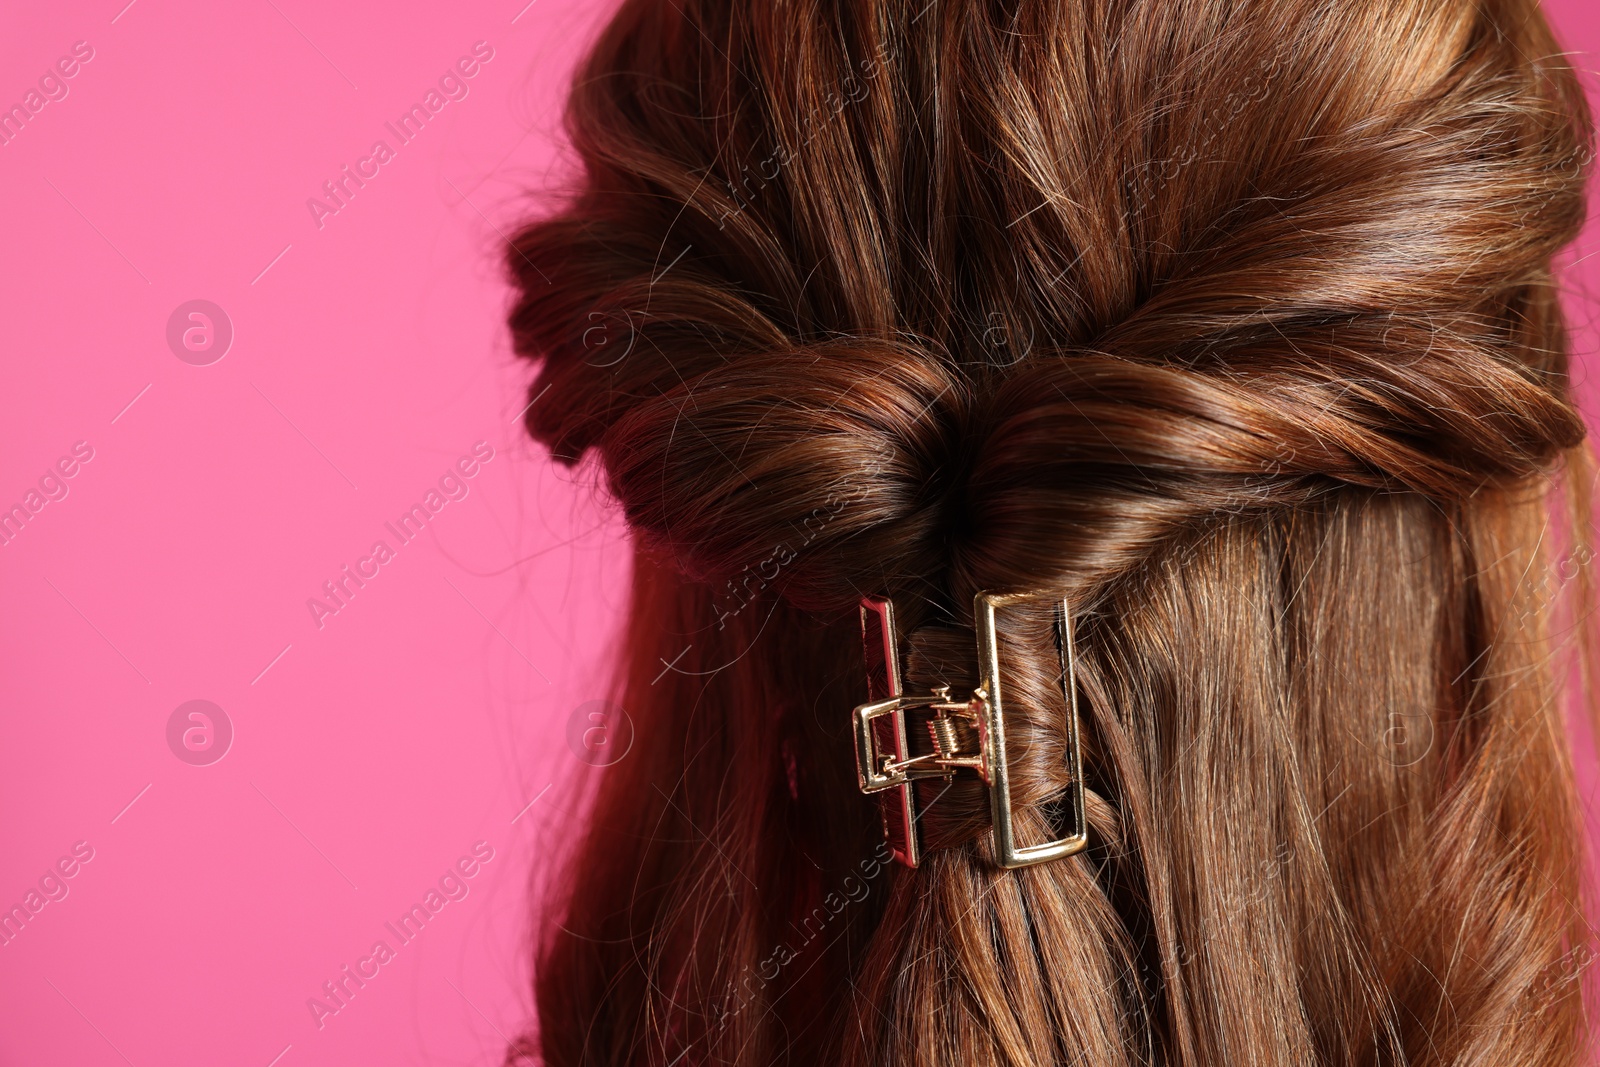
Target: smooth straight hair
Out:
[1231,322]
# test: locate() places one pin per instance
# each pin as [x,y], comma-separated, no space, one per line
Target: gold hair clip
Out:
[969,734]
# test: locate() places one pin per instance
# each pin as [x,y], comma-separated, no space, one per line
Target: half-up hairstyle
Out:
[1233,323]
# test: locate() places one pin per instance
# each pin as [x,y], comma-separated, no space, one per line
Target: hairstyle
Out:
[1231,321]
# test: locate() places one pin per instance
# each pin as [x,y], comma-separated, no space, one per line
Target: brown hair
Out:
[1233,323]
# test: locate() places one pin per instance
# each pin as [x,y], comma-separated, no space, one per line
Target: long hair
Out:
[1233,323]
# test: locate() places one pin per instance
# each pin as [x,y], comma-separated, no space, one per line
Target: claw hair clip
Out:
[964,734]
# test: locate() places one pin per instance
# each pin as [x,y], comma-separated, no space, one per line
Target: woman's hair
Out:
[1232,322]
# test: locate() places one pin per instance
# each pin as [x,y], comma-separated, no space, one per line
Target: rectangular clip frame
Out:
[889,704]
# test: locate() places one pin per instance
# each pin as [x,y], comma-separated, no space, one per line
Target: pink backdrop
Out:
[221,399]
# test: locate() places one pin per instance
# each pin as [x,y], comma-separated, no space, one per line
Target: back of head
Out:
[1231,322]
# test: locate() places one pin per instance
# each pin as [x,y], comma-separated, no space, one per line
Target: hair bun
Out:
[829,458]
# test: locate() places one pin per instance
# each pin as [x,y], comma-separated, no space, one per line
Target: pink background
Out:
[372,752]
